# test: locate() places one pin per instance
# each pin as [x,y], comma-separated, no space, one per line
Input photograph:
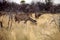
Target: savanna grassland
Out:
[47,28]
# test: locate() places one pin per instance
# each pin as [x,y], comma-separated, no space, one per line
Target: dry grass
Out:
[47,28]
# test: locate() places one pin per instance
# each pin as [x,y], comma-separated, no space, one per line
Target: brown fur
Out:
[37,15]
[23,17]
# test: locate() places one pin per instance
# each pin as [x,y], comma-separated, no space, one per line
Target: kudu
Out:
[23,17]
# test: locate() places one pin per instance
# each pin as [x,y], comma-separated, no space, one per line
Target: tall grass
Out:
[47,28]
